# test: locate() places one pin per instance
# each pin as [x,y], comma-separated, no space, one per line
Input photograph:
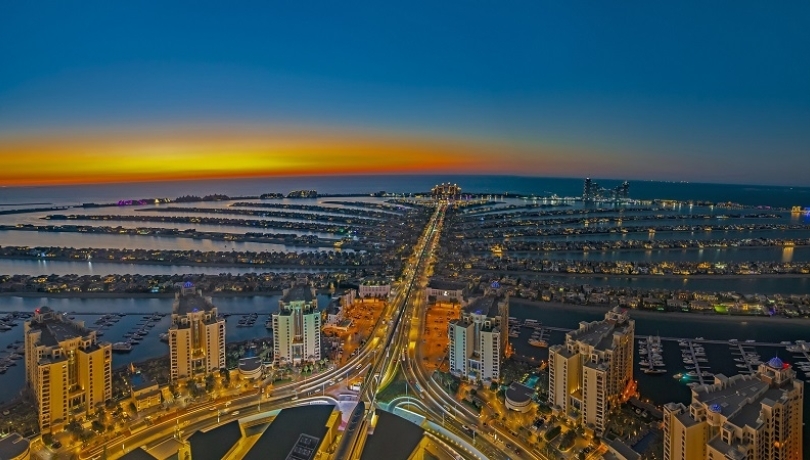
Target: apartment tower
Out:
[297,326]
[744,417]
[196,335]
[66,368]
[593,371]
[477,341]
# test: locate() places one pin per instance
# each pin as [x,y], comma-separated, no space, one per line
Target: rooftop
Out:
[519,393]
[394,438]
[284,433]
[446,284]
[487,305]
[12,446]
[56,328]
[599,334]
[298,293]
[138,454]
[191,302]
[738,398]
[250,364]
[214,444]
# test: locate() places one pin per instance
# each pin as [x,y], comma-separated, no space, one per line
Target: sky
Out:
[131,91]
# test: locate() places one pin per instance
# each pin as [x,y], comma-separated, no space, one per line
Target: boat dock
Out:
[748,358]
[698,340]
[650,351]
[694,355]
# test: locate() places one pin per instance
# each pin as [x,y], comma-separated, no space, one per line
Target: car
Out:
[6,412]
[509,446]
[57,445]
[236,412]
[466,428]
[212,408]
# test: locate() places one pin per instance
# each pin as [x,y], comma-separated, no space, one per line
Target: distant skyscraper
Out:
[66,368]
[196,335]
[624,190]
[587,190]
[745,417]
[588,375]
[297,326]
[478,340]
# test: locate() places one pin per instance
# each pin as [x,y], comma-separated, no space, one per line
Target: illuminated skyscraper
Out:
[297,326]
[589,375]
[196,336]
[744,417]
[66,368]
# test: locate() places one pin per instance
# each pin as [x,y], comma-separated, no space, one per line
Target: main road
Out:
[390,347]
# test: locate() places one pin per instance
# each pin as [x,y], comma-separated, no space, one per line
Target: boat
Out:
[539,343]
[655,371]
[164,337]
[122,347]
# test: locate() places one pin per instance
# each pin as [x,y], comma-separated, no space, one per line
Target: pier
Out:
[696,340]
[746,356]
[695,356]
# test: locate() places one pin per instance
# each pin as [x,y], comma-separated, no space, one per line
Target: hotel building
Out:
[590,373]
[744,417]
[297,327]
[477,343]
[196,335]
[66,368]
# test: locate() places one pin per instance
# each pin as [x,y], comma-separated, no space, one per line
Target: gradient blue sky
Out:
[639,90]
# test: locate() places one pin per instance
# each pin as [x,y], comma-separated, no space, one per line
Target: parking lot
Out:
[435,343]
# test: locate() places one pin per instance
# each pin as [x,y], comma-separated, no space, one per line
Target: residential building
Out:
[445,291]
[477,344]
[67,369]
[374,288]
[592,372]
[196,335]
[744,417]
[297,326]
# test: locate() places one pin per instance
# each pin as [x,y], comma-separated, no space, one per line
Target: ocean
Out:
[755,195]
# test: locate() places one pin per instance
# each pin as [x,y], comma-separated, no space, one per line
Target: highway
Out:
[390,348]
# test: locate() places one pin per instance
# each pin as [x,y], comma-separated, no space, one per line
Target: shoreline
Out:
[618,275]
[675,315]
[124,295]
[164,263]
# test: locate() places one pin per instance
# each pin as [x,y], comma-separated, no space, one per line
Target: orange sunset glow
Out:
[204,154]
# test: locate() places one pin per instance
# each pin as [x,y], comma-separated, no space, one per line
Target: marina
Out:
[694,357]
[651,360]
[745,357]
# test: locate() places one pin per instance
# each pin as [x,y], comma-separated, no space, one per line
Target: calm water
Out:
[49,267]
[746,194]
[84,240]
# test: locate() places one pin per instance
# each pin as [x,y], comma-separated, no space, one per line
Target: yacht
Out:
[122,347]
[655,371]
